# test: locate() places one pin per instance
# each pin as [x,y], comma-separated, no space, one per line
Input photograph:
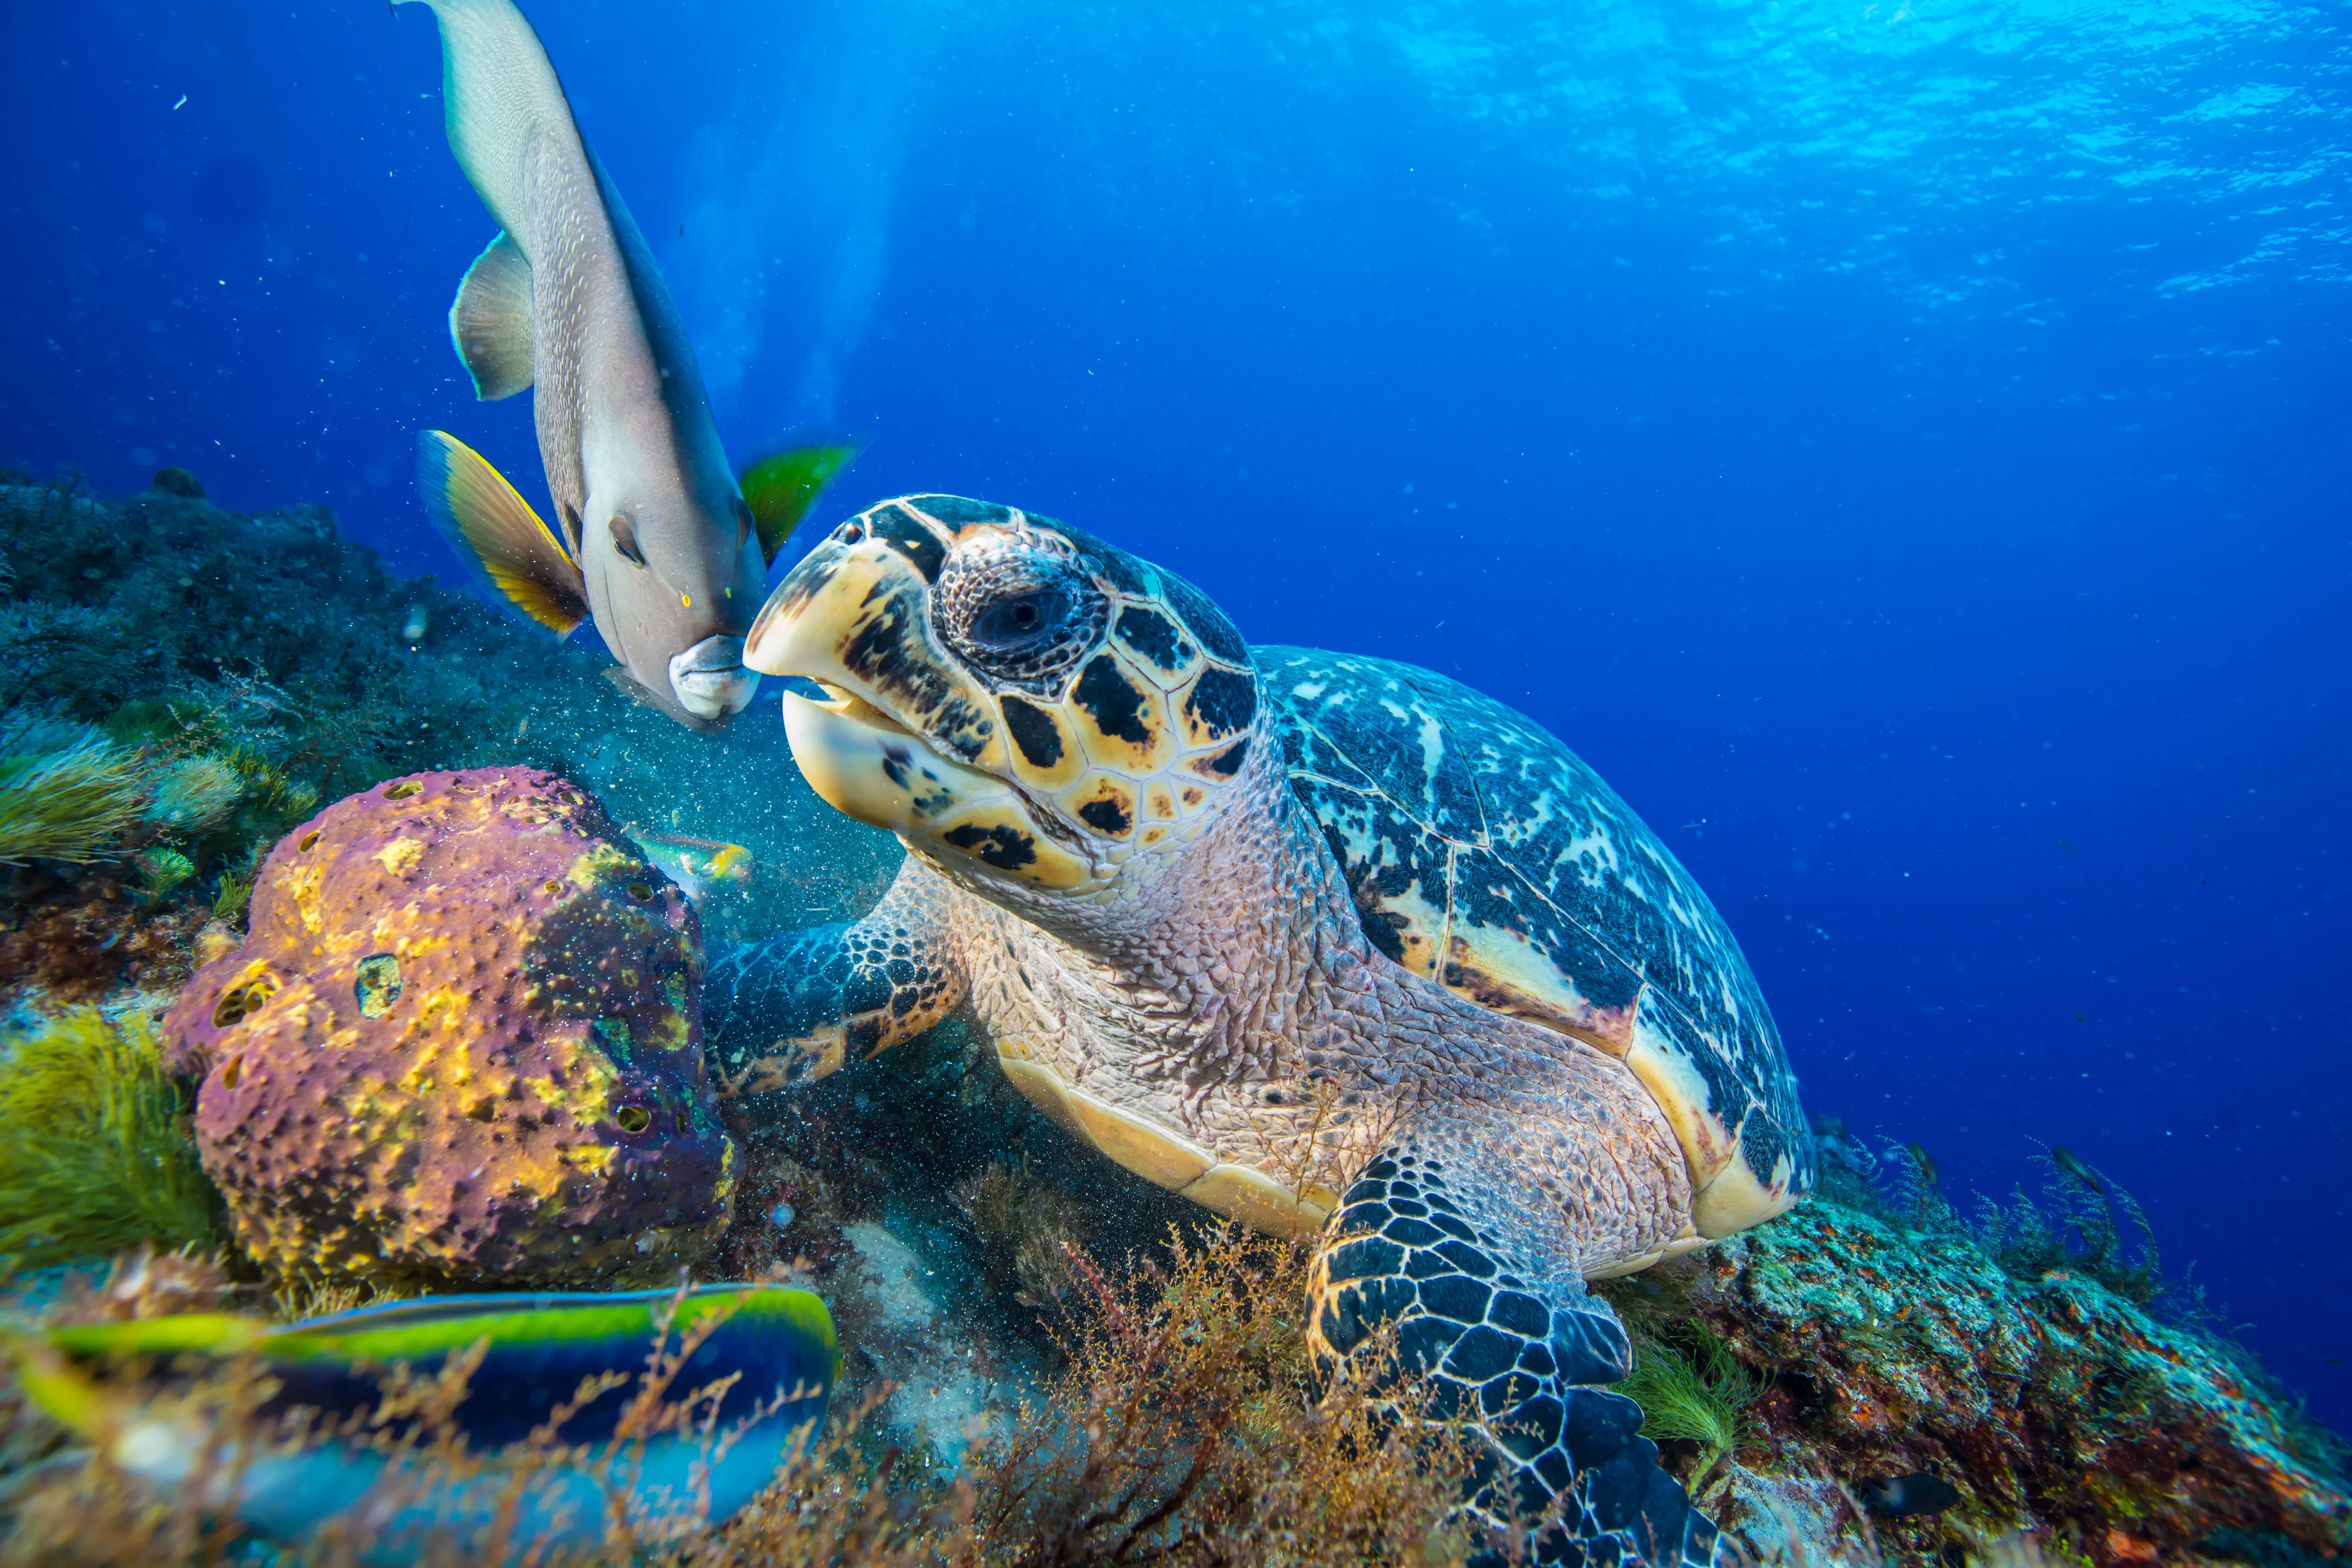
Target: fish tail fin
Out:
[476,506]
[779,489]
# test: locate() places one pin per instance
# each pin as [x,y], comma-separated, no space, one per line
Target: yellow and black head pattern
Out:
[1007,688]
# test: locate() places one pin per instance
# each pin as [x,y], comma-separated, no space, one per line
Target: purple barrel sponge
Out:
[461,1047]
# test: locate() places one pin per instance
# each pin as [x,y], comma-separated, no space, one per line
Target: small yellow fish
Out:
[731,864]
[695,864]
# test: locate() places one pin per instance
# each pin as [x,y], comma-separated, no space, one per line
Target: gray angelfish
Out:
[657,543]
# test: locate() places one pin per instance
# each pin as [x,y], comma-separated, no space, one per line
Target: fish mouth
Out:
[711,678]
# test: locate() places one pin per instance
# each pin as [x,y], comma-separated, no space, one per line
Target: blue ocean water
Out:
[1903,444]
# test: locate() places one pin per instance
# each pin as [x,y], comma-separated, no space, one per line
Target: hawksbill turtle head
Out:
[1024,705]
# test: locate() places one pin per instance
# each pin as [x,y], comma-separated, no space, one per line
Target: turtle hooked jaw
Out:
[898,740]
[1027,707]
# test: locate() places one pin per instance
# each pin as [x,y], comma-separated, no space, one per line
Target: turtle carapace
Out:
[1333,945]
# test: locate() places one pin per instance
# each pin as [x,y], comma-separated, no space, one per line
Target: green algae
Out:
[161,870]
[232,896]
[98,1157]
[1701,1395]
[193,795]
[66,793]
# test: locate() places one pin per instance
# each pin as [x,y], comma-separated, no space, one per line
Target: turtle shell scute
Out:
[1484,855]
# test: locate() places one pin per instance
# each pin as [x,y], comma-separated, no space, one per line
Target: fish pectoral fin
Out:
[779,488]
[477,508]
[490,320]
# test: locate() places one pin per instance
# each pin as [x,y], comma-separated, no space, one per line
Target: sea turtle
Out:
[1331,945]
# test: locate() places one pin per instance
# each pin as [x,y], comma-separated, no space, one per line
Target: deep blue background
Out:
[1902,443]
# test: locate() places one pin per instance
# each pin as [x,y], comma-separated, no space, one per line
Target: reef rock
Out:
[1916,1390]
[461,1047]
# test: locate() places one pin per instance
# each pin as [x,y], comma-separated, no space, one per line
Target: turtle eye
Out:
[1020,623]
[1016,610]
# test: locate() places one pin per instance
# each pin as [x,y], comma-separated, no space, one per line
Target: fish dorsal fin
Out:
[779,489]
[490,320]
[477,508]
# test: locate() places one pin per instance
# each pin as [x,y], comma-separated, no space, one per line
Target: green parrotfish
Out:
[753,1365]
[654,539]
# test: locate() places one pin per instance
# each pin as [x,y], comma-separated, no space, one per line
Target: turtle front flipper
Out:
[795,1007]
[1521,1353]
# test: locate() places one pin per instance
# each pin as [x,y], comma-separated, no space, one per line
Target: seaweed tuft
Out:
[2079,1224]
[99,1158]
[194,795]
[1695,1392]
[66,793]
[1188,1426]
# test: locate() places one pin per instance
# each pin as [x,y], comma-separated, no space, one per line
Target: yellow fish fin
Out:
[779,489]
[477,508]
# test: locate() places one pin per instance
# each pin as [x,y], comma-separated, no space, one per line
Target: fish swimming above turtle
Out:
[1333,945]
[657,544]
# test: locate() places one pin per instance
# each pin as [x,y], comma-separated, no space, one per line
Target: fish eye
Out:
[624,538]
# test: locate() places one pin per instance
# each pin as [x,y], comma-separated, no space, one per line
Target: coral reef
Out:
[1115,1375]
[2024,1364]
[909,1191]
[932,1204]
[460,1047]
[74,938]
[99,1158]
[179,679]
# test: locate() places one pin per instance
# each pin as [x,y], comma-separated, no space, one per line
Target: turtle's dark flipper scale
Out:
[796,1008]
[1519,1354]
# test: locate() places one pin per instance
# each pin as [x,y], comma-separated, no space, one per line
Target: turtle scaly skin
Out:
[1171,876]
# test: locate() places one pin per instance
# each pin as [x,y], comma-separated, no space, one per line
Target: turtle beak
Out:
[902,739]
